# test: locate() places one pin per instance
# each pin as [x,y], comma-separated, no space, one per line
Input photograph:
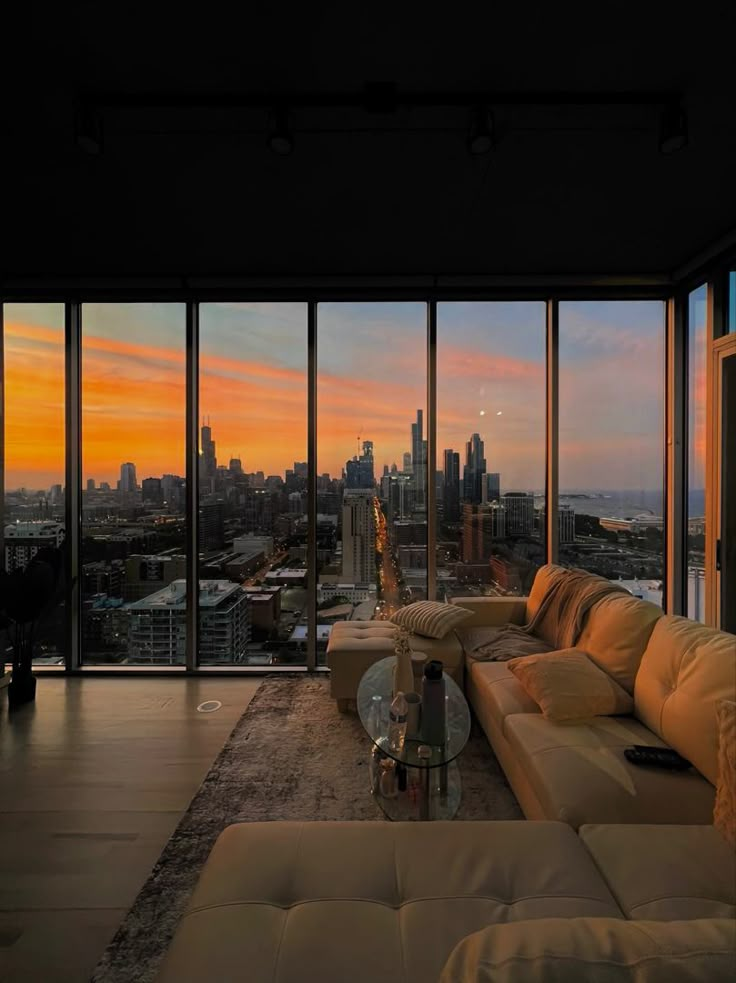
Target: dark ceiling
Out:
[186,192]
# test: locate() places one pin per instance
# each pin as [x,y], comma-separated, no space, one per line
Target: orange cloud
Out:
[134,405]
[34,405]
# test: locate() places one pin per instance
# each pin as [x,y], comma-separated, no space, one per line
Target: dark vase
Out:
[21,689]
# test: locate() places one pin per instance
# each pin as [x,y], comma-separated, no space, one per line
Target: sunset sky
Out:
[372,380]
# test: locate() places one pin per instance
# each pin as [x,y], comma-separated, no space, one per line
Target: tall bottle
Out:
[433,704]
[397,723]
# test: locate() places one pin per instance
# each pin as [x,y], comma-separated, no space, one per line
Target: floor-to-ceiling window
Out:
[373,473]
[611,448]
[34,459]
[253,505]
[133,553]
[697,354]
[490,447]
[371,459]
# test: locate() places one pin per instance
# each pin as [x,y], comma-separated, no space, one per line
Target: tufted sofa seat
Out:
[355,646]
[288,902]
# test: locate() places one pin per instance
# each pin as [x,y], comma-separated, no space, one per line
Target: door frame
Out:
[722,348]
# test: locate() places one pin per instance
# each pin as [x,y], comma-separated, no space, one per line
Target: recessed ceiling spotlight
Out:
[481,132]
[672,129]
[280,139]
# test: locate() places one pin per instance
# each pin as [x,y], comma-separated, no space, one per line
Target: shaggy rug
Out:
[290,756]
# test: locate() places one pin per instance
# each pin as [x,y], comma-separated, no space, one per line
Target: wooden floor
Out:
[93,780]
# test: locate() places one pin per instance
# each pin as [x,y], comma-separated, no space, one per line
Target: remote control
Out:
[658,757]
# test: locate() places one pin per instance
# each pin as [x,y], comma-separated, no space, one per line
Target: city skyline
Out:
[253,386]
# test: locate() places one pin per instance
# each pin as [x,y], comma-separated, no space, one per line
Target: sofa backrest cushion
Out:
[542,581]
[685,670]
[615,634]
[607,950]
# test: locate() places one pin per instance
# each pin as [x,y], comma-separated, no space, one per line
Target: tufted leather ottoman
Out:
[354,646]
[366,902]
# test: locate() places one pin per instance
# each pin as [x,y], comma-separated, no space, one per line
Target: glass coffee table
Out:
[420,781]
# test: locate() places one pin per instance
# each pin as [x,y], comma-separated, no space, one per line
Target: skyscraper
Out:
[358,537]
[359,471]
[407,462]
[451,493]
[493,486]
[151,491]
[519,513]
[419,461]
[474,470]
[482,524]
[128,482]
[208,460]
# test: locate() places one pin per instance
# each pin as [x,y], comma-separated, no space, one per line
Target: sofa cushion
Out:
[580,775]
[431,619]
[568,686]
[724,812]
[685,670]
[666,872]
[334,901]
[542,582]
[491,612]
[615,634]
[500,691]
[577,950]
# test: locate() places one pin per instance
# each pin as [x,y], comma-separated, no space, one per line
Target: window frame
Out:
[550,290]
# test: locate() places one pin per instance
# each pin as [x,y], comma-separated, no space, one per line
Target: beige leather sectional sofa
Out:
[676,671]
[389,902]
[622,874]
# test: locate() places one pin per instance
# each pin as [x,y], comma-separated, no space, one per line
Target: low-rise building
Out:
[24,539]
[355,593]
[157,630]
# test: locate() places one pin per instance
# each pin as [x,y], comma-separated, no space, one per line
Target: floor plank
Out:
[93,780]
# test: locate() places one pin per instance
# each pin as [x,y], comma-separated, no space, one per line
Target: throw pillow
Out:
[607,950]
[569,686]
[430,618]
[724,813]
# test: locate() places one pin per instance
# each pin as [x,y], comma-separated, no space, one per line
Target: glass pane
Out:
[34,458]
[371,460]
[697,353]
[133,494]
[253,484]
[612,373]
[491,405]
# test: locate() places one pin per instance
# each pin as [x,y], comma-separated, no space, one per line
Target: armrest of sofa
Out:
[492,612]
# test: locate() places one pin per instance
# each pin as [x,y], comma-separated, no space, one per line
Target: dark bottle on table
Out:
[433,704]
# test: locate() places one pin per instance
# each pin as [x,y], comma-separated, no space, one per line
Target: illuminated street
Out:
[389,590]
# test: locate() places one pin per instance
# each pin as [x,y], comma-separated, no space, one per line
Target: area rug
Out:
[290,756]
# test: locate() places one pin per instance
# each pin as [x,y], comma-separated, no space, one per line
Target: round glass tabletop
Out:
[375,693]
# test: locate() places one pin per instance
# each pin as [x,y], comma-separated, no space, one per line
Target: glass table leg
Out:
[425,807]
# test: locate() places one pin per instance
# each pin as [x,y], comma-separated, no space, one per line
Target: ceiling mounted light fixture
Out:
[280,138]
[672,129]
[480,134]
[88,130]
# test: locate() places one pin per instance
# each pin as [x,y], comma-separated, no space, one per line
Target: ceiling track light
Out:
[672,129]
[88,130]
[280,137]
[481,131]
